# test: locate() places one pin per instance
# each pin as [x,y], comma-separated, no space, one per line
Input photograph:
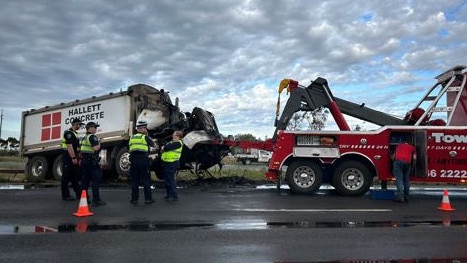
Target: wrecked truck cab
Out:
[203,145]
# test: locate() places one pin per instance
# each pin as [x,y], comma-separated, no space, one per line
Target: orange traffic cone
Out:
[83,209]
[445,205]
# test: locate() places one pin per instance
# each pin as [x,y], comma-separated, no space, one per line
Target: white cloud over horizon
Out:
[225,56]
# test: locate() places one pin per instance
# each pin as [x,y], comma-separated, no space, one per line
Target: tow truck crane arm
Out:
[317,95]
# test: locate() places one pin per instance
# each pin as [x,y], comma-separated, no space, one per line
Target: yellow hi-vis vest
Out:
[138,143]
[174,155]
[85,144]
[64,146]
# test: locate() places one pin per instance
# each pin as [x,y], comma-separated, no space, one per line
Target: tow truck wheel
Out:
[304,177]
[36,168]
[351,178]
[122,162]
[247,161]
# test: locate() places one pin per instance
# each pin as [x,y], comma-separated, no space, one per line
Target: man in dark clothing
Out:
[171,153]
[90,148]
[139,145]
[70,167]
[404,157]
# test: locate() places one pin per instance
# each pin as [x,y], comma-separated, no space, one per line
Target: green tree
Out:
[317,118]
[360,126]
[12,141]
[245,137]
[296,121]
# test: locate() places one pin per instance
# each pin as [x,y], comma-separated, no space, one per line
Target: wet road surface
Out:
[241,224]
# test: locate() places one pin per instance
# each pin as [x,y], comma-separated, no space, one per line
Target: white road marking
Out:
[311,210]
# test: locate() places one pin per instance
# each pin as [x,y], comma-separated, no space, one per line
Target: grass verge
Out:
[256,175]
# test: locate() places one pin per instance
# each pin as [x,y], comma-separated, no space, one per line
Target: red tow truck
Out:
[350,160]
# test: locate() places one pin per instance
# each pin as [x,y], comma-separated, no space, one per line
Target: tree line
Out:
[311,120]
[9,142]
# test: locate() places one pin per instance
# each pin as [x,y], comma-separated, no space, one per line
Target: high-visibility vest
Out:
[174,155]
[64,146]
[138,143]
[85,144]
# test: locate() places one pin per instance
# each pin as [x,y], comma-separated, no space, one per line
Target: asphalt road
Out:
[222,224]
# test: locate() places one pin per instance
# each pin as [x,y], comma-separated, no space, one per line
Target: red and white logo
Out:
[51,126]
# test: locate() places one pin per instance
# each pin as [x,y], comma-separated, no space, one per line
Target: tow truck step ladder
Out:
[450,83]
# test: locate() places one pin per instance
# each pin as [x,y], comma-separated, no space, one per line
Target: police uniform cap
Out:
[141,124]
[76,121]
[92,124]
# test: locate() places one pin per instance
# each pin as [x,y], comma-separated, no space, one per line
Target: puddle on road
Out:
[12,187]
[31,186]
[84,226]
[407,260]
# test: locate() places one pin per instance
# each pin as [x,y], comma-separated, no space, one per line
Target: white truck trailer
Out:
[116,113]
[253,155]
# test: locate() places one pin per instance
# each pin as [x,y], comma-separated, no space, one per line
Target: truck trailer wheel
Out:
[36,168]
[304,177]
[122,162]
[57,169]
[351,178]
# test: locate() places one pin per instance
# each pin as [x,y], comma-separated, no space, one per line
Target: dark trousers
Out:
[70,173]
[91,174]
[140,174]
[402,173]
[169,170]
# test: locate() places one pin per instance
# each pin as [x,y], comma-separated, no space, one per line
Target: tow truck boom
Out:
[317,95]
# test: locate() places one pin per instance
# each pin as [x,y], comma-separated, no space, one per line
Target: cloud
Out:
[225,56]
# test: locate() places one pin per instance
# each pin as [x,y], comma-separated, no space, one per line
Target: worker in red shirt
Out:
[404,156]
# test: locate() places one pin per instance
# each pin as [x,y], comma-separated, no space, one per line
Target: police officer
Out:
[70,167]
[171,153]
[91,169]
[139,170]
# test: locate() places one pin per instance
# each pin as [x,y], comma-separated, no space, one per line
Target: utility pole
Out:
[1,121]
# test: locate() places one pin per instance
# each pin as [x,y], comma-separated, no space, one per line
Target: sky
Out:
[226,56]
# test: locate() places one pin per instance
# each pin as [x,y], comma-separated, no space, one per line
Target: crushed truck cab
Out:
[351,160]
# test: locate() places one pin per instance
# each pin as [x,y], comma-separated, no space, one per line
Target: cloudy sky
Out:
[225,56]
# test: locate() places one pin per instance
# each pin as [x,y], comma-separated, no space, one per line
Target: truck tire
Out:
[122,162]
[247,161]
[351,178]
[57,169]
[304,177]
[36,168]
